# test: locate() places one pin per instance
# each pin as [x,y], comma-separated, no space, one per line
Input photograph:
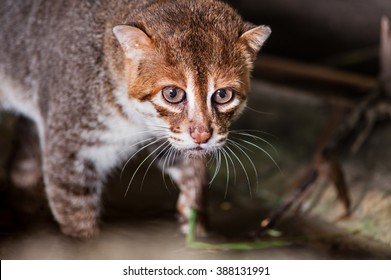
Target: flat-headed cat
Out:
[101,78]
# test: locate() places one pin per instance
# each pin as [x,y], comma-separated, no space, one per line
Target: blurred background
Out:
[320,62]
[321,32]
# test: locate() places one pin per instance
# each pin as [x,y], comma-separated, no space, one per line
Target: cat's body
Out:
[97,95]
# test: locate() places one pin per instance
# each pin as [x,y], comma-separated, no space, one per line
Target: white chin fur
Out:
[187,145]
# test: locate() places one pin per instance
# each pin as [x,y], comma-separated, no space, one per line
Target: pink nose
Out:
[200,137]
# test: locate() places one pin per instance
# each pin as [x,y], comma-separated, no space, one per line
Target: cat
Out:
[101,79]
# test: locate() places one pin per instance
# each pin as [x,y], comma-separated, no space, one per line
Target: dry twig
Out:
[375,107]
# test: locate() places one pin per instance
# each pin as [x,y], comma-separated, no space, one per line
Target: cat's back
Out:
[42,29]
[51,54]
[38,36]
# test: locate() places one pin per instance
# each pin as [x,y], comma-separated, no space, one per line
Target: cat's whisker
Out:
[163,128]
[172,157]
[211,158]
[227,158]
[259,112]
[233,140]
[244,169]
[169,161]
[139,150]
[138,143]
[139,166]
[167,157]
[127,162]
[258,138]
[241,148]
[217,168]
[132,134]
[231,161]
[158,126]
[127,126]
[263,150]
[228,172]
[175,155]
[149,166]
[247,131]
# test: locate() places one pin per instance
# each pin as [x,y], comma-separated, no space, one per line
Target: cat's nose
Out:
[200,136]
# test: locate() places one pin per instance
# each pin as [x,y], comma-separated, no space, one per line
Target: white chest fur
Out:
[122,137]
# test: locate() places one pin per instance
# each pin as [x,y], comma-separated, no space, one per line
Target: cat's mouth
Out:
[195,152]
[197,149]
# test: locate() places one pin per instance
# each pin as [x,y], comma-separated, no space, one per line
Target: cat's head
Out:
[189,63]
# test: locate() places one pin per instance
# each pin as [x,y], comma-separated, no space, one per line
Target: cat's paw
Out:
[25,158]
[80,233]
[200,229]
[26,173]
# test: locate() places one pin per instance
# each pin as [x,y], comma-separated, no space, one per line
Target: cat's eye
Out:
[223,96]
[173,95]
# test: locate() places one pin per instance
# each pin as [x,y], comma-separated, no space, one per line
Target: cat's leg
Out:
[25,159]
[190,175]
[73,187]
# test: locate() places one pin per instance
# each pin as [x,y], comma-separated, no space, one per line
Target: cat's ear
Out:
[255,37]
[134,41]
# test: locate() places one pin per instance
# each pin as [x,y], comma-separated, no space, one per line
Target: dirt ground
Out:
[143,224]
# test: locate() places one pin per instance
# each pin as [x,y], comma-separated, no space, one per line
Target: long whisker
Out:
[175,155]
[263,150]
[170,152]
[212,158]
[244,169]
[253,130]
[231,161]
[228,172]
[132,134]
[241,148]
[218,165]
[176,152]
[260,139]
[127,162]
[159,126]
[149,166]
[259,112]
[138,143]
[144,147]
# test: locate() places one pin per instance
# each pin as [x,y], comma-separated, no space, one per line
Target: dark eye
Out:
[173,95]
[222,96]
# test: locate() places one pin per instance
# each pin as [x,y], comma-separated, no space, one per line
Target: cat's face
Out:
[192,81]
